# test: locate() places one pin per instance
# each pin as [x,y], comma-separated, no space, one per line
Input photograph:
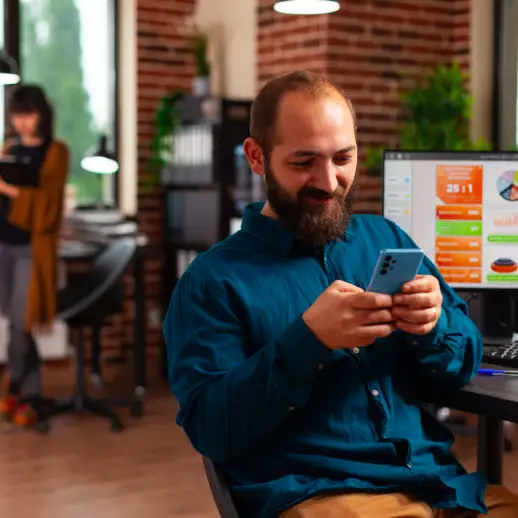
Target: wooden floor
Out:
[82,470]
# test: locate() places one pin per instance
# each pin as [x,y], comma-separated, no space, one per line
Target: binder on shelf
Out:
[205,183]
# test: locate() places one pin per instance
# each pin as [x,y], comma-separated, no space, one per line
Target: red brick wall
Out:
[461,32]
[372,48]
[289,42]
[164,65]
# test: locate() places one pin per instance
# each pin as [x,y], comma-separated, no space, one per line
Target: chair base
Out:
[83,404]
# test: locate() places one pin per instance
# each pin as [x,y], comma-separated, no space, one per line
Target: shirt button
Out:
[415,342]
[321,366]
[375,393]
[291,409]
[356,350]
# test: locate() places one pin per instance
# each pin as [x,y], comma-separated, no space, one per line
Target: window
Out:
[68,48]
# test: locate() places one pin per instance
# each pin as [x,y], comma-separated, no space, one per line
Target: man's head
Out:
[303,140]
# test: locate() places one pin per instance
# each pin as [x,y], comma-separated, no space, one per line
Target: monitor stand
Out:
[510,325]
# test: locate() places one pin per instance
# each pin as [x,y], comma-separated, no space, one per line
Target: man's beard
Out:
[313,224]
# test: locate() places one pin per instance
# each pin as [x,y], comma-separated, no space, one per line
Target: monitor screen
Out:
[461,208]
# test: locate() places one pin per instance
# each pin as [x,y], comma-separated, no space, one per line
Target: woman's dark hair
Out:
[30,99]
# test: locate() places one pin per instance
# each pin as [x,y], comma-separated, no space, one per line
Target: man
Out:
[297,382]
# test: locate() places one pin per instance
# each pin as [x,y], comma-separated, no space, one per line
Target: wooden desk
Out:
[494,399]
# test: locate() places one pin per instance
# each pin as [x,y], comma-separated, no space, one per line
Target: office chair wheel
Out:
[136,409]
[116,426]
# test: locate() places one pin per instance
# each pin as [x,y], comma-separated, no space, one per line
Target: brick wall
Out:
[372,48]
[289,42]
[164,65]
[363,46]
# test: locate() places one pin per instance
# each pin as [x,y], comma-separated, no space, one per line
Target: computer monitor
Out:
[461,208]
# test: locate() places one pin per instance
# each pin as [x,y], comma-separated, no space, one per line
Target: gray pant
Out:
[23,359]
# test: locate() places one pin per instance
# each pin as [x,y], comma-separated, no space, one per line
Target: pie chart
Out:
[507,185]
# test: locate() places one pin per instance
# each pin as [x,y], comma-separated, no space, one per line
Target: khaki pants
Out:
[500,501]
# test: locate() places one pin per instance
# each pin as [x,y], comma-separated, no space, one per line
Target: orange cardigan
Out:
[39,210]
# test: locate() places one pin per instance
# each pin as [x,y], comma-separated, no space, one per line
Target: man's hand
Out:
[418,308]
[345,316]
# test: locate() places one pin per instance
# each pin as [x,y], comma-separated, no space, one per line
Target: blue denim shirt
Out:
[286,418]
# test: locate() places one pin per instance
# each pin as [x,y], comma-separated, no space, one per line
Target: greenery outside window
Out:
[68,47]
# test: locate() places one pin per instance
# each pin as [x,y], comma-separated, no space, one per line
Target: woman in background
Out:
[29,236]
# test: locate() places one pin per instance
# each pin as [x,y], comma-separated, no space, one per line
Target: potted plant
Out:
[436,116]
[373,159]
[437,113]
[199,49]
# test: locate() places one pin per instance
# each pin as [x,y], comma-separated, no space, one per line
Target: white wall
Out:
[481,67]
[232,27]
[127,130]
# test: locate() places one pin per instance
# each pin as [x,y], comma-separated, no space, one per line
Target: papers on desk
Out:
[97,217]
[98,226]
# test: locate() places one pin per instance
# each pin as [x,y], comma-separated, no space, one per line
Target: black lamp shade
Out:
[100,160]
[306,7]
[9,74]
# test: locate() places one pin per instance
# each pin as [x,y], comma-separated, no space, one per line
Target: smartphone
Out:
[394,268]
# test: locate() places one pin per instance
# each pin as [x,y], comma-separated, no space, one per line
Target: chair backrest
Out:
[220,490]
[104,274]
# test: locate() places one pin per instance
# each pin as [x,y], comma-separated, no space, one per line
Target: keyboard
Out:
[504,355]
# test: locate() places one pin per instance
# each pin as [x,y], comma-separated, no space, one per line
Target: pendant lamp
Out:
[306,7]
[9,74]
[100,160]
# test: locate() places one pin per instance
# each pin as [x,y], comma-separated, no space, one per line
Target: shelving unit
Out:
[203,186]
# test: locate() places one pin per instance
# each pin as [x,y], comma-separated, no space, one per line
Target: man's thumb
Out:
[345,287]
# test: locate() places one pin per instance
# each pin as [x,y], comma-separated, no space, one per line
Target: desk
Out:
[494,399]
[80,251]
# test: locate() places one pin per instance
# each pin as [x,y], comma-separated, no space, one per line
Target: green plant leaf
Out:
[437,111]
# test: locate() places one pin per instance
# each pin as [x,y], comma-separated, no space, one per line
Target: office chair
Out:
[220,490]
[87,302]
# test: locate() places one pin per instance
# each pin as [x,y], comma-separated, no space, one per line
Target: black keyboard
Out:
[504,355]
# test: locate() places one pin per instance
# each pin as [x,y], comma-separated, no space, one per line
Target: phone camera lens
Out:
[386,265]
[388,258]
[393,261]
[383,272]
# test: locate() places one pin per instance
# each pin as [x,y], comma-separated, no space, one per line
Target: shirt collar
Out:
[270,230]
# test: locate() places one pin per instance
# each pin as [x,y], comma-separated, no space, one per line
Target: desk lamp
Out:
[9,74]
[306,7]
[100,160]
